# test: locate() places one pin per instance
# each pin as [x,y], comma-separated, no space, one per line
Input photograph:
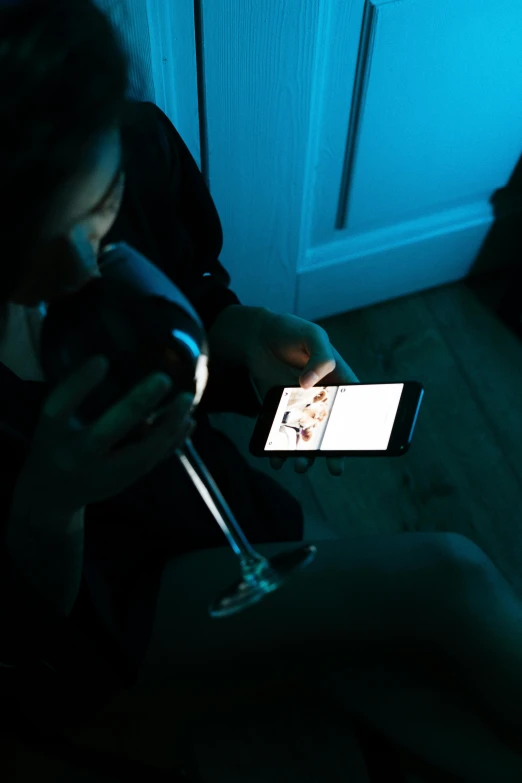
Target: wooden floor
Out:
[463,472]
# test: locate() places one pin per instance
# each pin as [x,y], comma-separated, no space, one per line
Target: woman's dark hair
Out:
[64,76]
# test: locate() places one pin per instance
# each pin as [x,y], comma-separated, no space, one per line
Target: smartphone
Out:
[353,420]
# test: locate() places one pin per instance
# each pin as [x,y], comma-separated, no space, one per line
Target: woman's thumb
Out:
[184,414]
[186,402]
[186,423]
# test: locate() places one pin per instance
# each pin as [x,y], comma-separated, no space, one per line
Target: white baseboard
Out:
[365,270]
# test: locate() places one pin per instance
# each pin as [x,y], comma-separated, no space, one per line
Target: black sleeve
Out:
[209,284]
[51,673]
[29,625]
[24,615]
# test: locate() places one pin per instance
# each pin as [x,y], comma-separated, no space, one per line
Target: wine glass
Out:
[136,316]
[259,575]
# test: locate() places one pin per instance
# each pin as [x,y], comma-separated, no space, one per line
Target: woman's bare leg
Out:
[405,597]
[483,650]
[390,593]
[429,717]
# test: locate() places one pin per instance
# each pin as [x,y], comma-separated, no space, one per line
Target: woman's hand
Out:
[288,351]
[69,466]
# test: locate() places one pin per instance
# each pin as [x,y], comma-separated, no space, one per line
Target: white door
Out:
[352,147]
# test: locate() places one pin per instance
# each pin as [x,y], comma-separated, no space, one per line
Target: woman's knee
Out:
[475,580]
[465,556]
[448,558]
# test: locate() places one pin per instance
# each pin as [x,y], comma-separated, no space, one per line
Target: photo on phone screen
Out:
[363,419]
[355,417]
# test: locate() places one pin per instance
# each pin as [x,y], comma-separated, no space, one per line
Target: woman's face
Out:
[83,213]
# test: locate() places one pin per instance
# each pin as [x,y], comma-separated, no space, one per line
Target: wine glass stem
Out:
[251,561]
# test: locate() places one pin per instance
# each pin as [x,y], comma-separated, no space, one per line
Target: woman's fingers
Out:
[302,464]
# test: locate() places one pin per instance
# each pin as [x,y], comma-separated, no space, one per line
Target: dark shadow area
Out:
[496,277]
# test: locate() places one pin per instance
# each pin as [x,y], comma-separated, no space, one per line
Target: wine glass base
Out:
[243,594]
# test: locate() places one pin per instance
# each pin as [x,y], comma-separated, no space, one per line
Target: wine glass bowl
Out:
[140,335]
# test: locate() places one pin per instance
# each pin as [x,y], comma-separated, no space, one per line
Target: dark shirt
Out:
[58,670]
